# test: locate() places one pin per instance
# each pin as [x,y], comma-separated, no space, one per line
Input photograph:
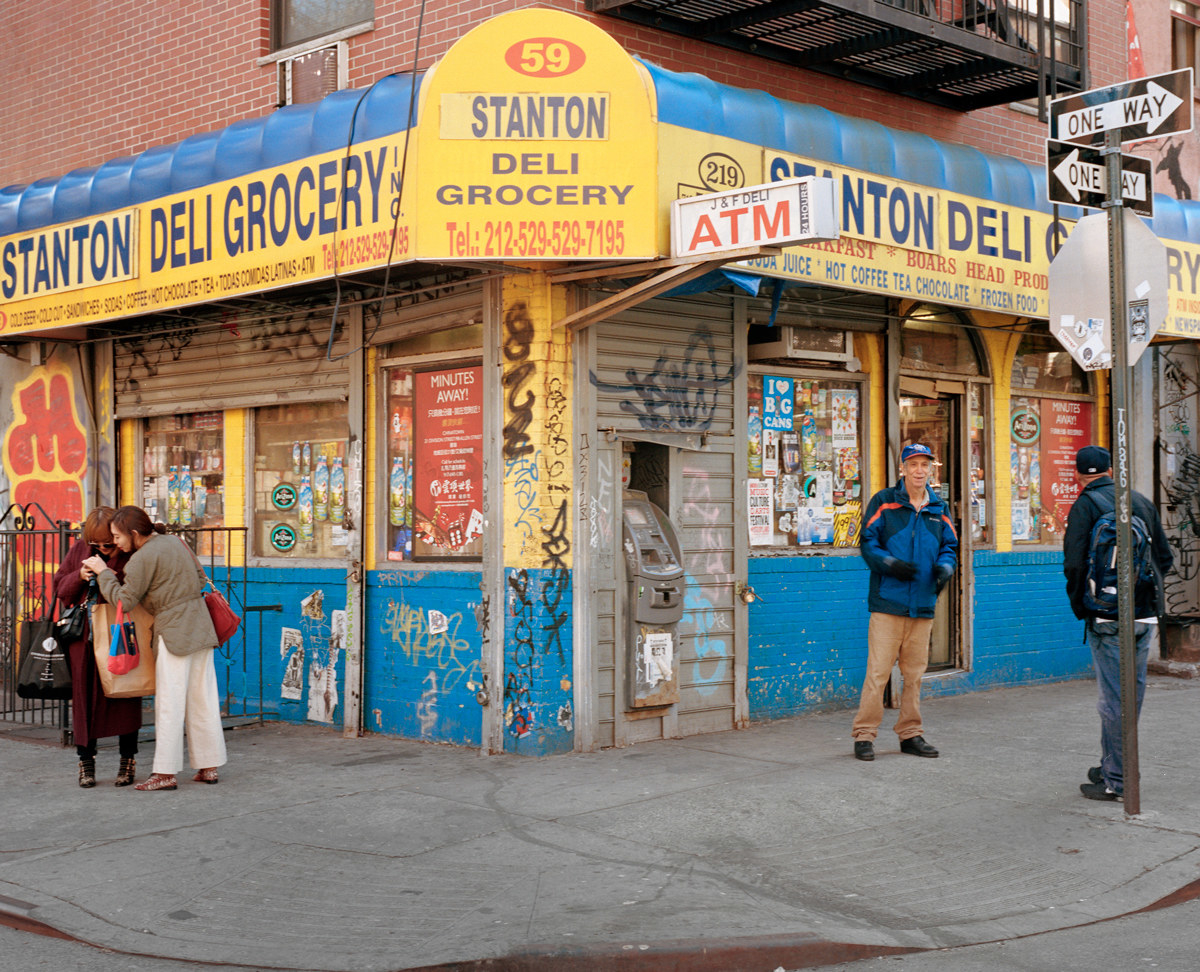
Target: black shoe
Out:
[1098,791]
[864,749]
[917,746]
[1096,775]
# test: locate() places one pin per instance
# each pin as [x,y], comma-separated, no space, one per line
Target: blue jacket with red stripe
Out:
[894,532]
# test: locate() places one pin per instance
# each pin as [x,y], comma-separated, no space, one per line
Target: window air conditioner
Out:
[312,75]
[806,344]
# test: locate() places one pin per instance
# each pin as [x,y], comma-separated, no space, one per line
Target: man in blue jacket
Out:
[910,545]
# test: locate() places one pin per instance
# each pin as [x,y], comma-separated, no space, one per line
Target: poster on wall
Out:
[1045,434]
[1066,428]
[761,511]
[845,418]
[447,483]
[777,403]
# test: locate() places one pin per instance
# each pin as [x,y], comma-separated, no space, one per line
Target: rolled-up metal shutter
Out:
[207,366]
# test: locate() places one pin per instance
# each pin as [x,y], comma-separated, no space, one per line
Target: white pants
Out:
[186,692]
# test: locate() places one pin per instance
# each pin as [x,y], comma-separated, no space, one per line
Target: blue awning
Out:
[701,104]
[687,100]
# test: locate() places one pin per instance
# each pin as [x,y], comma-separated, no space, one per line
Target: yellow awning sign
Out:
[546,149]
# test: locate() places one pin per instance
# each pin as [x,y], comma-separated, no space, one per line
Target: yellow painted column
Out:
[1002,349]
[538,516]
[235,482]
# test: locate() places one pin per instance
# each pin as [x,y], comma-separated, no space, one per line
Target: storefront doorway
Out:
[935,422]
[943,403]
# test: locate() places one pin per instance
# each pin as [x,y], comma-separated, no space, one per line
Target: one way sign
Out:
[1075,175]
[1142,108]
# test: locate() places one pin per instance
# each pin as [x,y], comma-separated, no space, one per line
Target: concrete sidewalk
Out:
[757,849]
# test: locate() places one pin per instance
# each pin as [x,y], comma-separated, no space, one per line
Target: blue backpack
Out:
[1100,592]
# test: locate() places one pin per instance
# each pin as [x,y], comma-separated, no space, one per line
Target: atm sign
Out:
[799,210]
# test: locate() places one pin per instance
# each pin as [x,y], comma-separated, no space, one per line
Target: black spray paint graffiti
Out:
[556,440]
[518,335]
[283,337]
[676,395]
[554,587]
[518,684]
[1182,490]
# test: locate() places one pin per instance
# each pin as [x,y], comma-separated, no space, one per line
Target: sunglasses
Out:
[97,547]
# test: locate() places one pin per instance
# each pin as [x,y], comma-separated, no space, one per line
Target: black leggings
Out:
[127,741]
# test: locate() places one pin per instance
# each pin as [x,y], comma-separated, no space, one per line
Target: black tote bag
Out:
[45,671]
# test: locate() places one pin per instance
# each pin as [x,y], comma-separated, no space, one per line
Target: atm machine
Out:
[654,602]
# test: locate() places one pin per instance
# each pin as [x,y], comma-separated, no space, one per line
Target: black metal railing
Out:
[32,545]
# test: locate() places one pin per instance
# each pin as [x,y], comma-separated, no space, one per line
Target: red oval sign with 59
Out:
[545,57]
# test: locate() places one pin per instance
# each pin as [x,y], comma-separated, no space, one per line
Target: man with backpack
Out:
[1089,561]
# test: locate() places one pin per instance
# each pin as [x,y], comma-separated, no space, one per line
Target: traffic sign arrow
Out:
[1075,174]
[1142,108]
[1150,109]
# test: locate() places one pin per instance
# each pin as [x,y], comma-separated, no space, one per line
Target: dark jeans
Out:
[127,742]
[1103,638]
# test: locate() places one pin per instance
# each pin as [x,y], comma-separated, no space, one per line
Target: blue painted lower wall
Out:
[421,661]
[807,645]
[808,634]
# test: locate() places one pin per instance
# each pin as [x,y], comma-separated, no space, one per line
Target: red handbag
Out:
[225,620]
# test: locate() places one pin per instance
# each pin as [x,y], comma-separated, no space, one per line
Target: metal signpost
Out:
[1146,107]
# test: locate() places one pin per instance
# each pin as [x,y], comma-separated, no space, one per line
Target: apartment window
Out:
[1185,34]
[296,21]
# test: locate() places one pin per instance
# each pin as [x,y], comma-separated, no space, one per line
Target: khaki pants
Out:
[891,638]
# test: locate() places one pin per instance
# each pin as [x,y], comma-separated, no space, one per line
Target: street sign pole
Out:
[1119,316]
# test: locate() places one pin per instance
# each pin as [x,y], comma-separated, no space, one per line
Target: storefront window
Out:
[434,463]
[805,461]
[300,480]
[935,340]
[1046,429]
[183,462]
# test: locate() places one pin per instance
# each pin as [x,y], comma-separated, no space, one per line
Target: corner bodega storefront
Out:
[434,487]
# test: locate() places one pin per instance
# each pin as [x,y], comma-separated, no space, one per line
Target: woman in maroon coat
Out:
[93,714]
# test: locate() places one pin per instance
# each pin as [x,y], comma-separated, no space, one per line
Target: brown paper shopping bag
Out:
[140,680]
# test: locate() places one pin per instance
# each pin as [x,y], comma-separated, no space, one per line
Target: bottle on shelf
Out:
[321,489]
[295,458]
[396,493]
[337,491]
[306,510]
[173,494]
[185,496]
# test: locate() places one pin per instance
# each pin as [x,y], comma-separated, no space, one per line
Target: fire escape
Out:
[960,54]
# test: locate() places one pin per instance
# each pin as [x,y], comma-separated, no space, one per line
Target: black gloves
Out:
[901,569]
[942,576]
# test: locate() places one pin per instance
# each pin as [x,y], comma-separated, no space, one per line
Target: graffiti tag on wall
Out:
[675,395]
[538,517]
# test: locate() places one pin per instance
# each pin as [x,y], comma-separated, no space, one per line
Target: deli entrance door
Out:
[936,422]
